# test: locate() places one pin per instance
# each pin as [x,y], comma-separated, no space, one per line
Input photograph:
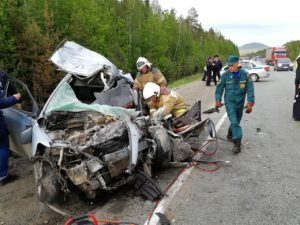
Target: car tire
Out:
[274,68]
[254,77]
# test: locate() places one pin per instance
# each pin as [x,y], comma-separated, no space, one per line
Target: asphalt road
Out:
[261,185]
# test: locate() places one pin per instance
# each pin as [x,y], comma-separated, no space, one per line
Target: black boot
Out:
[229,135]
[237,146]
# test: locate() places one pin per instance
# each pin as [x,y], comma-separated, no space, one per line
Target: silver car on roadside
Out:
[283,64]
[256,70]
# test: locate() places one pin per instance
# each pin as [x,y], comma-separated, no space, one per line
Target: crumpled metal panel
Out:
[93,165]
[78,174]
[121,95]
[76,59]
[134,136]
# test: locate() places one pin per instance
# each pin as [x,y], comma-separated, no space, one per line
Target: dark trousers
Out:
[216,74]
[210,76]
[4,155]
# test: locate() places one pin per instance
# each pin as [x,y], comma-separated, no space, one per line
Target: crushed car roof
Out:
[76,59]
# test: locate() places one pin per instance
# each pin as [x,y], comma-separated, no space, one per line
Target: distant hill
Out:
[252,47]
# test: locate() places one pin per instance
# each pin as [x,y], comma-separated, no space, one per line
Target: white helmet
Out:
[151,89]
[141,62]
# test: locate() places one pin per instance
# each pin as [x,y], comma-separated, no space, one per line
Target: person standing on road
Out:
[297,80]
[209,69]
[205,69]
[5,102]
[147,73]
[217,68]
[236,84]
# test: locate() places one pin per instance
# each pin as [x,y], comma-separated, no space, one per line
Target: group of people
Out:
[153,85]
[212,70]
[235,83]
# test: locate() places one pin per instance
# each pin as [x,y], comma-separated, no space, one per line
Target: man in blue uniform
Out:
[236,84]
[5,102]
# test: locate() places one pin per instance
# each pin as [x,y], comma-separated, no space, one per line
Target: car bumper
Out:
[264,75]
[284,68]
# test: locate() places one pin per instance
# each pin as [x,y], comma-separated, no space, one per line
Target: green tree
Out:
[293,49]
[121,30]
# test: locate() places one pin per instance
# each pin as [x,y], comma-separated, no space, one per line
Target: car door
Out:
[20,118]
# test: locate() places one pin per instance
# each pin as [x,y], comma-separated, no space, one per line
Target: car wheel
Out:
[254,77]
[274,68]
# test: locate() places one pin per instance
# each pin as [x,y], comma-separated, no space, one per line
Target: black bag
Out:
[296,107]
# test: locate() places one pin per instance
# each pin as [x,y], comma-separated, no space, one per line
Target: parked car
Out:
[89,136]
[255,69]
[283,64]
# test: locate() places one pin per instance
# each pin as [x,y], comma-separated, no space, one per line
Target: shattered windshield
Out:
[65,99]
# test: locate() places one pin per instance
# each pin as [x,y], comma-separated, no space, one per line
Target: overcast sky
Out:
[272,23]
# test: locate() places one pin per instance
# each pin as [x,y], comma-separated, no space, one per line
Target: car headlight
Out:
[279,64]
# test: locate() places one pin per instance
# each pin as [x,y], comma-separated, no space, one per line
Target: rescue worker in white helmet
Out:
[157,97]
[147,73]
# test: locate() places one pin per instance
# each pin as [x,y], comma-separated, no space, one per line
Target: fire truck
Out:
[275,53]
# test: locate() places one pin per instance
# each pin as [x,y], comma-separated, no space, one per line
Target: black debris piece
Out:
[147,187]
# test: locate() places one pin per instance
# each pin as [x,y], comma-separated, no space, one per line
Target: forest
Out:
[121,30]
[293,49]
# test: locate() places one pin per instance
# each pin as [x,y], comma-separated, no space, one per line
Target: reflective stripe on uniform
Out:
[179,112]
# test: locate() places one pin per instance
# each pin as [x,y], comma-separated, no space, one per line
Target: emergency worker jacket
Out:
[154,75]
[218,66]
[235,89]
[173,102]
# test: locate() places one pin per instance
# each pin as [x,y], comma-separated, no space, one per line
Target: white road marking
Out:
[161,207]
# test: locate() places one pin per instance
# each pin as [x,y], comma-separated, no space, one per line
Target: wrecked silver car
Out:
[89,136]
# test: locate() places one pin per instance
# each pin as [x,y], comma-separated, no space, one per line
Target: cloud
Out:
[244,22]
[245,26]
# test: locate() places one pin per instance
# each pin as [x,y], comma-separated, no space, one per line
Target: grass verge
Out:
[185,80]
